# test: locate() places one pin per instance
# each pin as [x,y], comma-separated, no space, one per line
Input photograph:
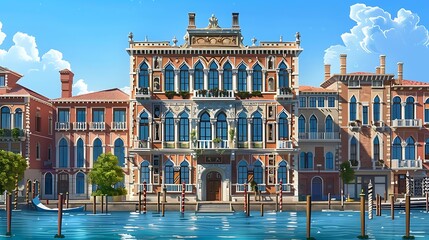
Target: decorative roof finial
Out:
[213,22]
[254,41]
[130,37]
[174,41]
[145,38]
[281,38]
[298,37]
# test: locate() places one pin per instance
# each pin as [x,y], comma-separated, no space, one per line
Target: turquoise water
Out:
[285,225]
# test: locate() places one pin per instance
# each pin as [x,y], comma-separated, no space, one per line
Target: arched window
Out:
[184,127]
[242,127]
[169,127]
[205,127]
[227,76]
[144,126]
[184,78]
[184,172]
[353,151]
[313,124]
[306,160]
[427,149]
[80,183]
[396,108]
[396,149]
[213,76]
[143,76]
[258,173]
[48,183]
[169,78]
[282,173]
[242,78]
[63,153]
[257,78]
[80,153]
[376,151]
[409,108]
[283,76]
[301,124]
[376,109]
[168,172]
[410,149]
[18,118]
[144,172]
[221,127]
[257,127]
[427,111]
[198,77]
[242,172]
[283,126]
[120,151]
[5,118]
[352,109]
[329,124]
[329,161]
[97,149]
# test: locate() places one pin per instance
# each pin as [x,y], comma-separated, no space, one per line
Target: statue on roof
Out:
[213,22]
[298,36]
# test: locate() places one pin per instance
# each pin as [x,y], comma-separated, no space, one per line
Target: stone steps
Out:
[214,208]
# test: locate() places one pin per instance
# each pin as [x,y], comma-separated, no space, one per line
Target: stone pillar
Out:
[206,78]
[220,78]
[191,81]
[176,80]
[234,79]
[249,80]
[150,80]
[264,77]
[249,132]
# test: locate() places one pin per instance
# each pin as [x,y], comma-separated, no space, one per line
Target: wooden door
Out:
[213,186]
[63,183]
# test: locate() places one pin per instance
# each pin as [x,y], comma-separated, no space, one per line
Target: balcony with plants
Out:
[284,93]
[143,93]
[213,94]
[15,134]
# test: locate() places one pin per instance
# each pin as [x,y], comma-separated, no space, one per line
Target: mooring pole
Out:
[94,205]
[281,195]
[60,216]
[183,198]
[362,216]
[308,216]
[140,202]
[370,200]
[158,204]
[248,205]
[144,196]
[245,197]
[329,200]
[427,202]
[67,199]
[392,206]
[262,209]
[107,205]
[9,214]
[163,209]
[407,218]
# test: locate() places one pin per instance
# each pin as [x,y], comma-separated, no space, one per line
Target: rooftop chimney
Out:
[191,23]
[235,20]
[377,70]
[327,71]
[343,63]
[382,64]
[66,77]
[400,72]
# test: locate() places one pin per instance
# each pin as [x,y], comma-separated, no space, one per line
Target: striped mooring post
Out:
[144,196]
[407,181]
[245,197]
[281,196]
[183,198]
[370,199]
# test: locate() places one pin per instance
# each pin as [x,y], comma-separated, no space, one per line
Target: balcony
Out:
[210,144]
[12,134]
[319,136]
[119,126]
[79,126]
[239,187]
[178,188]
[97,126]
[285,145]
[213,94]
[142,144]
[379,126]
[62,126]
[143,93]
[286,187]
[397,164]
[408,123]
[284,93]
[149,187]
[355,125]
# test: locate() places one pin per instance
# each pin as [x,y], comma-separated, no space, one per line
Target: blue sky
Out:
[38,38]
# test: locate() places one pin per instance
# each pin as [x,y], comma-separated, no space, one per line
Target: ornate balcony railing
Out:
[143,92]
[410,123]
[285,144]
[239,187]
[149,187]
[119,125]
[62,126]
[178,187]
[97,126]
[142,144]
[79,126]
[286,187]
[213,94]
[284,93]
[210,144]
[319,136]
[399,164]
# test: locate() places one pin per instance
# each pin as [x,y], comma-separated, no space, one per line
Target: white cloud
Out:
[126,90]
[376,33]
[81,87]
[54,58]
[2,34]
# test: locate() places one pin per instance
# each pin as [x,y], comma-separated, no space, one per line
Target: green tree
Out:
[105,174]
[12,165]
[347,173]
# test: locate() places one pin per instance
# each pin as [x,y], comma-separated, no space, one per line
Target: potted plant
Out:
[231,134]
[256,94]
[106,173]
[217,141]
[15,133]
[243,95]
[1,132]
[194,136]
[202,92]
[184,94]
[170,94]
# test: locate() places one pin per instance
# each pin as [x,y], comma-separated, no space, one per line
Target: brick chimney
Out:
[377,70]
[235,20]
[191,23]
[327,71]
[382,64]
[66,77]
[400,72]
[343,63]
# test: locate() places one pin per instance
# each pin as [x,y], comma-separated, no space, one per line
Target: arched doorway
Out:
[317,189]
[213,186]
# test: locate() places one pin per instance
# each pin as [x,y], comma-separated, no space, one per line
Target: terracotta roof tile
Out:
[314,89]
[23,91]
[113,94]
[361,73]
[414,83]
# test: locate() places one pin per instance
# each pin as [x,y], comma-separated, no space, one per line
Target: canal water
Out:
[284,225]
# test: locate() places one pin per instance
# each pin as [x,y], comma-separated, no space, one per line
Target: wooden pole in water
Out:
[281,196]
[329,200]
[308,216]
[158,204]
[277,202]
[15,199]
[67,199]
[60,215]
[427,202]
[102,203]
[362,216]
[407,218]
[107,205]
[94,205]
[370,200]
[140,202]
[262,209]
[392,207]
[248,205]
[9,214]
[245,197]
[144,196]
[182,210]
[163,209]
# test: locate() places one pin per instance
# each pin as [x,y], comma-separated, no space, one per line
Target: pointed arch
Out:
[80,153]
[282,174]
[184,126]
[427,149]
[396,108]
[184,172]
[227,76]
[120,151]
[184,78]
[409,108]
[301,124]
[242,172]
[257,78]
[396,149]
[48,184]
[376,109]
[353,108]
[18,118]
[97,149]
[354,148]
[169,172]
[213,82]
[258,172]
[144,75]
[169,134]
[145,172]
[144,126]
[410,149]
[313,125]
[221,126]
[257,127]
[5,118]
[426,107]
[205,127]
[283,75]
[80,183]
[242,78]
[169,78]
[242,127]
[283,125]
[198,76]
[63,153]
[329,125]
[329,161]
[376,152]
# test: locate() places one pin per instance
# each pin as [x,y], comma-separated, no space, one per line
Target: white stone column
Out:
[176,80]
[249,80]
[264,125]
[191,81]
[249,132]
[176,132]
[206,78]
[403,104]
[220,79]
[234,79]
[264,76]
[150,80]
[213,127]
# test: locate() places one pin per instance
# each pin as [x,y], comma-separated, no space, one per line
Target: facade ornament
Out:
[174,40]
[130,37]
[298,36]
[146,39]
[281,38]
[213,22]
[254,40]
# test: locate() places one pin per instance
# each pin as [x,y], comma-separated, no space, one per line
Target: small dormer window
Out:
[2,81]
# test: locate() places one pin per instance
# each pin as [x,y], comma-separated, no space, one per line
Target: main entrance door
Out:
[316,189]
[63,183]
[213,186]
